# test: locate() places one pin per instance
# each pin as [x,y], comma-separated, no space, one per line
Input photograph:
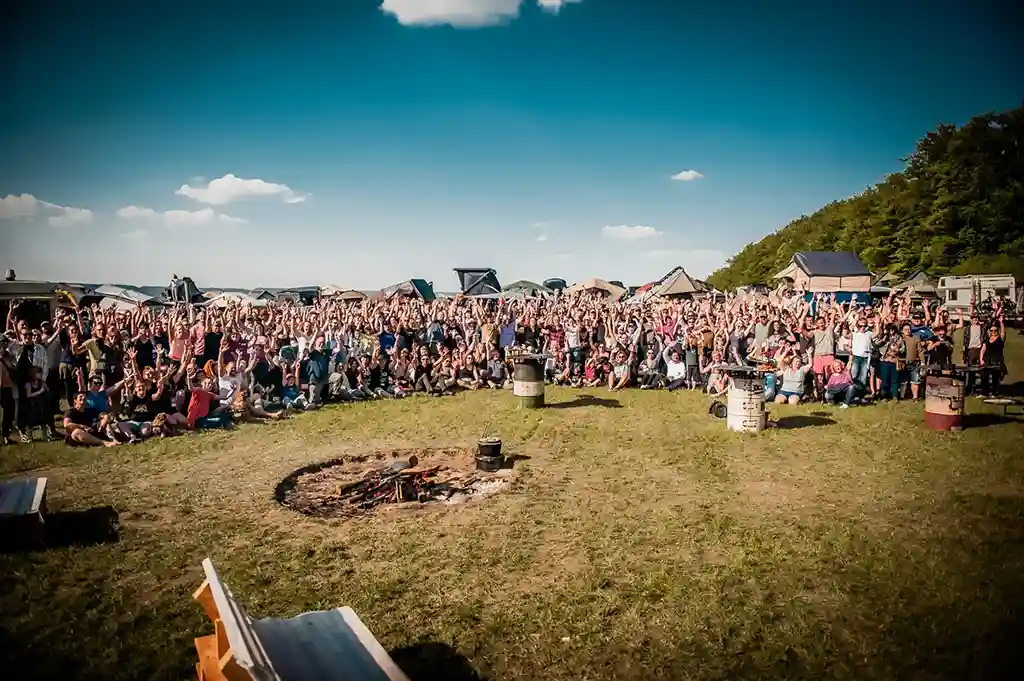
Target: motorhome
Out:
[956,293]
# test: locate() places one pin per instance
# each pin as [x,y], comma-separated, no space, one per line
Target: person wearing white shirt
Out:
[860,357]
[675,367]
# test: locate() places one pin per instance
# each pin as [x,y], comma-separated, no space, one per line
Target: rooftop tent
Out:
[332,290]
[475,282]
[555,284]
[414,288]
[679,283]
[827,272]
[595,284]
[183,290]
[528,287]
[224,299]
[922,284]
[123,294]
[352,296]
[306,295]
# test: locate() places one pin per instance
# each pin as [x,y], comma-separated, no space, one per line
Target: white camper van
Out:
[956,293]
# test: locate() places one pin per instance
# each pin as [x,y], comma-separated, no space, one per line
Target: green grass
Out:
[641,542]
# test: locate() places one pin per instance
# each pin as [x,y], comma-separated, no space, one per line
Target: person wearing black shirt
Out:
[160,339]
[211,343]
[80,425]
[993,361]
[939,348]
[403,338]
[145,348]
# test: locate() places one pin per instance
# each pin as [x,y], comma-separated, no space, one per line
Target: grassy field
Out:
[641,540]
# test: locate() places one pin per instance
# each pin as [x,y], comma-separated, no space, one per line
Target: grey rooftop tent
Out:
[527,287]
[414,288]
[476,282]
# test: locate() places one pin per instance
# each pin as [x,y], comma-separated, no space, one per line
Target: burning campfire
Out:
[359,485]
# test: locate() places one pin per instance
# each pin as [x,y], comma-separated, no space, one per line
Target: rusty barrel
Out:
[944,403]
[528,382]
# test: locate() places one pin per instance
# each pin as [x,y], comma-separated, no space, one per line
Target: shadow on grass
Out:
[984,419]
[586,401]
[430,661]
[67,528]
[1015,389]
[800,421]
[966,621]
[512,459]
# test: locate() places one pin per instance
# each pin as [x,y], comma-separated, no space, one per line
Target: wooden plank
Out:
[39,496]
[247,654]
[204,596]
[209,662]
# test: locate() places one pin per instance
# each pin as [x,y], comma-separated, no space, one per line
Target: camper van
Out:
[956,293]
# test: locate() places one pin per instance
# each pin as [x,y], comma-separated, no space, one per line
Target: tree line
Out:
[957,207]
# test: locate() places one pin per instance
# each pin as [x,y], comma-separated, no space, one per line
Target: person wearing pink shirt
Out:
[840,388]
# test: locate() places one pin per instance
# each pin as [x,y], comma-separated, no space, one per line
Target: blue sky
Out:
[363,142]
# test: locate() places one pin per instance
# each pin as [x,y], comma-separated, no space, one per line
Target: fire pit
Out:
[357,485]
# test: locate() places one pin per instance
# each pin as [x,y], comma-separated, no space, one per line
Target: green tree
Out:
[957,207]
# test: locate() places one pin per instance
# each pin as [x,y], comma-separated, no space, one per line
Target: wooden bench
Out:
[332,645]
[23,510]
[1006,403]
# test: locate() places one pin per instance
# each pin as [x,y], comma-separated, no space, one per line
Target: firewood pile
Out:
[412,484]
[327,498]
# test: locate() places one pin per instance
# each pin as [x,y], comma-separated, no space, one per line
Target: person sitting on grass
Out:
[466,375]
[675,368]
[648,375]
[621,373]
[496,375]
[840,387]
[715,379]
[82,426]
[794,381]
[201,412]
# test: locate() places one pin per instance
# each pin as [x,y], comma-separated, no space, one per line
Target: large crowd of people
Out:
[109,376]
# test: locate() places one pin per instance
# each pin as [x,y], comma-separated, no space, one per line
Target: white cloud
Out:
[71,216]
[461,13]
[555,5]
[627,233]
[542,237]
[16,206]
[231,188]
[26,205]
[135,212]
[687,176]
[136,235]
[178,218]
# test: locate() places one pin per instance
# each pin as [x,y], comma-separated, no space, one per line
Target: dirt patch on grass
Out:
[386,480]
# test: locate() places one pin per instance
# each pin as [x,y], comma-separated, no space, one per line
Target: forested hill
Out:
[957,207]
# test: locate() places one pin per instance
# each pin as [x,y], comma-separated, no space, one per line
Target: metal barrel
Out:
[944,403]
[745,410]
[528,382]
